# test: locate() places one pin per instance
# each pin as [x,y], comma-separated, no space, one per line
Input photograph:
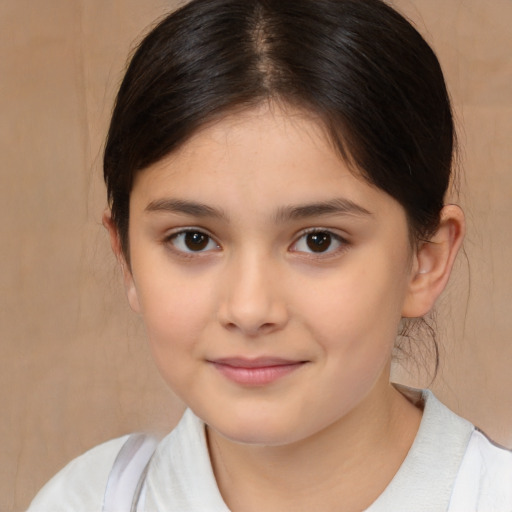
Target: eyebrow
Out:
[339,206]
[185,207]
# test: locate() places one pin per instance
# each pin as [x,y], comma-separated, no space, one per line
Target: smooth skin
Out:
[255,241]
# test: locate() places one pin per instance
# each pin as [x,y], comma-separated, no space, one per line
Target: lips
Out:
[255,372]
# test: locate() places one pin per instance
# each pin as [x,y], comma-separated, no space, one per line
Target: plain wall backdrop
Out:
[74,367]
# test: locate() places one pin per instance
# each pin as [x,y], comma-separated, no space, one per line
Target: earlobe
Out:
[115,242]
[433,262]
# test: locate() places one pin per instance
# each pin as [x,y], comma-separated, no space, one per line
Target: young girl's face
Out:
[270,278]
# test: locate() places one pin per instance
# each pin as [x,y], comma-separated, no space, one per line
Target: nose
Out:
[253,297]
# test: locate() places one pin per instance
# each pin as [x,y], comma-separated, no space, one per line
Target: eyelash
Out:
[171,240]
[333,238]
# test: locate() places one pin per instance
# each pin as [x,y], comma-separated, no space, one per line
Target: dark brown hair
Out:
[358,65]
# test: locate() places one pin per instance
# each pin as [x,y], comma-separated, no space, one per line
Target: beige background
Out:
[74,368]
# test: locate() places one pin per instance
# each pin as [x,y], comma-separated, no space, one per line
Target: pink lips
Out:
[255,372]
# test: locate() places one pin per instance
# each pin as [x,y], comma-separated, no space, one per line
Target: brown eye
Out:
[319,242]
[196,241]
[193,241]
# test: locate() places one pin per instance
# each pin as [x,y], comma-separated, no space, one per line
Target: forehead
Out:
[264,157]
[266,128]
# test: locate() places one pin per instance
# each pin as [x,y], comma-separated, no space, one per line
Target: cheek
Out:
[175,312]
[356,314]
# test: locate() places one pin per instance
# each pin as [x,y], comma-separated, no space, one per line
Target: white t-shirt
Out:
[451,466]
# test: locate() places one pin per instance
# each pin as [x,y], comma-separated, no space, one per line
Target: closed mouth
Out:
[256,372]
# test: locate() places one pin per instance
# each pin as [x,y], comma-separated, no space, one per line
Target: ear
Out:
[433,262]
[115,242]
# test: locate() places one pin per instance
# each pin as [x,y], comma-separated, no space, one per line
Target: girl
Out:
[276,173]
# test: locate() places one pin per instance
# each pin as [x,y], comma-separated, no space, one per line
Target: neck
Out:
[350,462]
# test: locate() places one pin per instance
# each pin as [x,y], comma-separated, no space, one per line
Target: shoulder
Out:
[485,477]
[451,466]
[80,486]
[493,457]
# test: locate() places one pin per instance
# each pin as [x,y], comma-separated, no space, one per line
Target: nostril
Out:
[266,327]
[252,331]
[230,326]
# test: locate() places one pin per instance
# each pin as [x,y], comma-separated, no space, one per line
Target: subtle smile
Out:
[255,372]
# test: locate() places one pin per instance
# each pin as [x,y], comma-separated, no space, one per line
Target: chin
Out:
[260,429]
[255,437]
